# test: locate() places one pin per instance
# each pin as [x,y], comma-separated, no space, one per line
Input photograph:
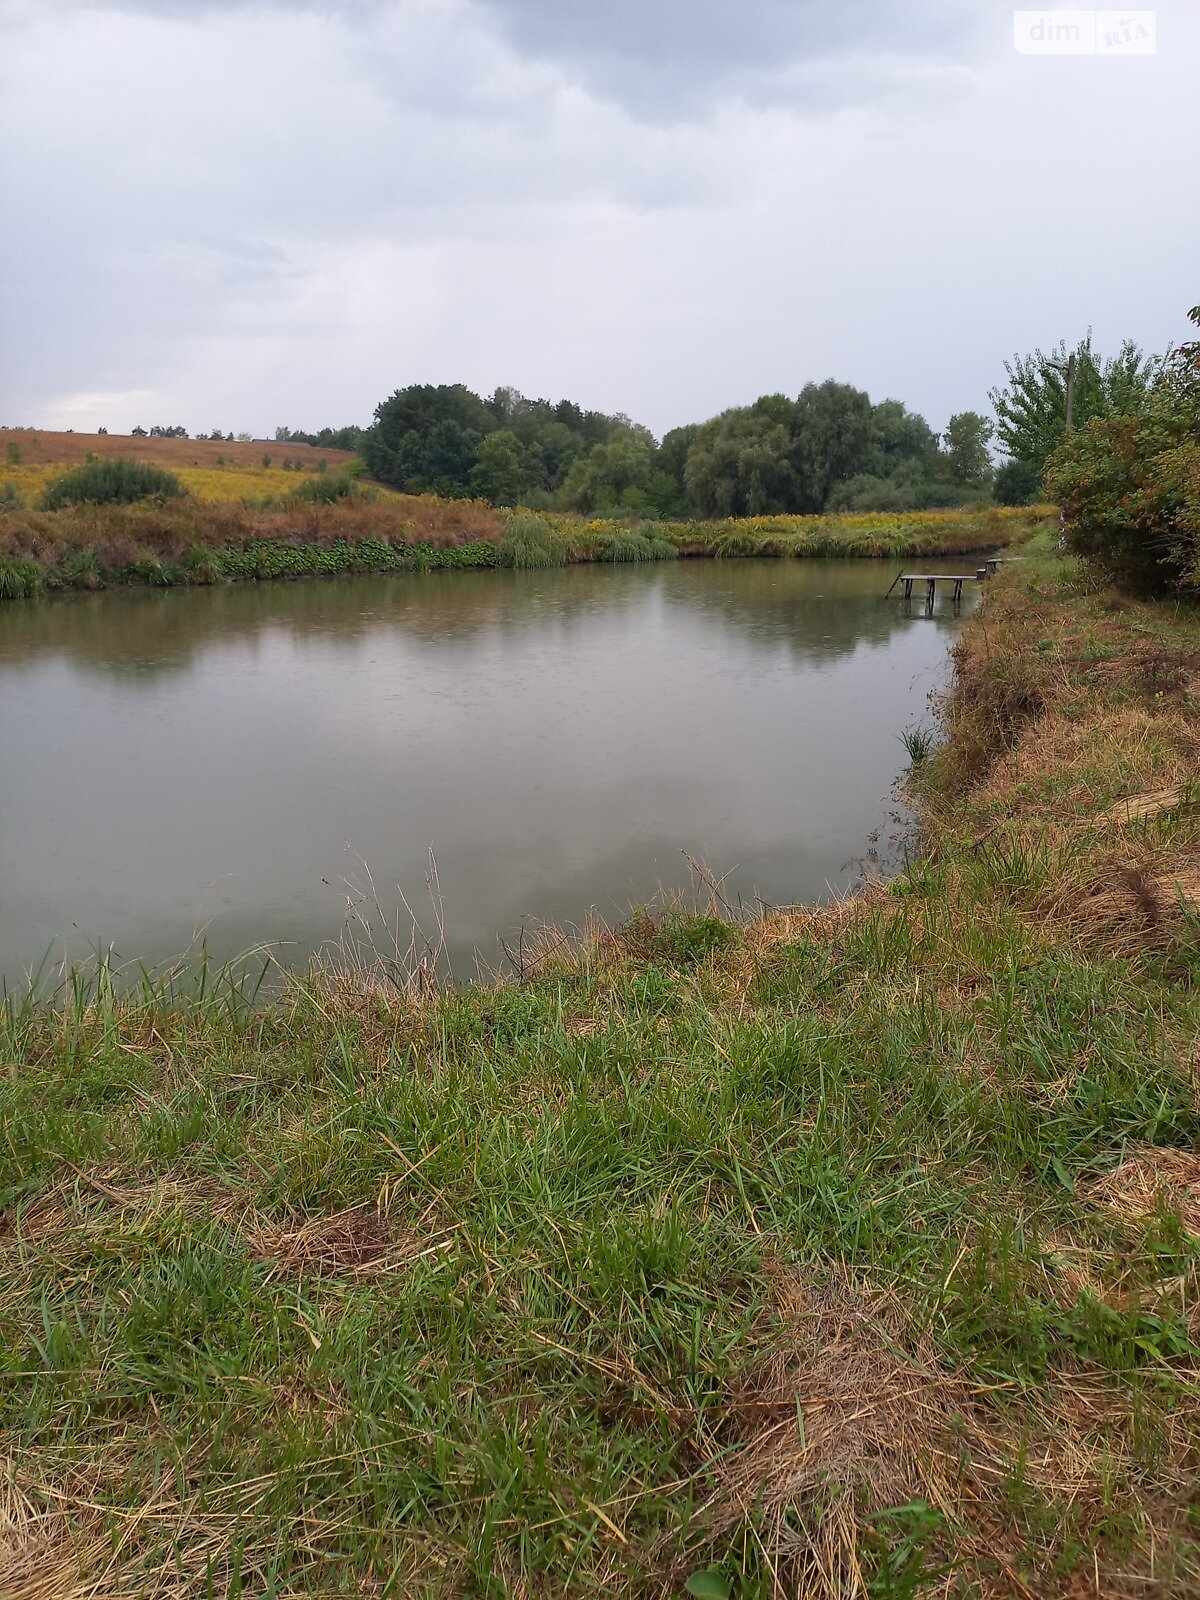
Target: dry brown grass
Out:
[842,1419]
[835,1424]
[121,535]
[84,1200]
[1141,807]
[1151,1179]
[351,1243]
[60,1540]
[1074,750]
[1125,908]
[39,1557]
[1063,769]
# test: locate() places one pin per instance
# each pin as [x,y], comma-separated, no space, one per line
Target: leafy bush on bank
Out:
[1130,485]
[113,481]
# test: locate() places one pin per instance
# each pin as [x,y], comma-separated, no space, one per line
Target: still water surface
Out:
[223,761]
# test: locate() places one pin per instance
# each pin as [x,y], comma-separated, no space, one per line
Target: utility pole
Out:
[1067,367]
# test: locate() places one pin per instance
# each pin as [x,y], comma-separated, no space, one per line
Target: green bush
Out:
[1129,486]
[202,564]
[327,488]
[11,498]
[115,481]
[1017,483]
[529,541]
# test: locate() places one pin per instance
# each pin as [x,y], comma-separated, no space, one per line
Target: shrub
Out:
[11,498]
[13,451]
[694,938]
[1017,483]
[116,481]
[326,489]
[1129,486]
[202,564]
[266,460]
[528,541]
[1130,494]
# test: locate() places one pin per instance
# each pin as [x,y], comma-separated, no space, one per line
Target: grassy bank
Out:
[195,541]
[853,1251]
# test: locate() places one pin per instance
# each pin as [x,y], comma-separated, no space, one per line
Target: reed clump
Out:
[529,542]
[637,544]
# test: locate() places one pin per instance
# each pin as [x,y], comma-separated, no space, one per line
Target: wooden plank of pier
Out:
[932,579]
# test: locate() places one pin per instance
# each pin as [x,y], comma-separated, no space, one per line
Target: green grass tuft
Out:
[529,542]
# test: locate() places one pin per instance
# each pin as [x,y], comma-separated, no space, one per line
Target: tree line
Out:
[829,448]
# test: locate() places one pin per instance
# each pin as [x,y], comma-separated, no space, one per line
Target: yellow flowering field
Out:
[231,483]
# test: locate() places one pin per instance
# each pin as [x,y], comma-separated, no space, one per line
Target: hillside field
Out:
[209,469]
[39,448]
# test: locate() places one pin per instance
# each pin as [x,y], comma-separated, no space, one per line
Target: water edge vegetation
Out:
[189,541]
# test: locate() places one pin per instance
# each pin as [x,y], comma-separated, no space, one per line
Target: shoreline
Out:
[203,545]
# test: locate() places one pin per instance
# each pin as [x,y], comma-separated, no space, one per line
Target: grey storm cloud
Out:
[266,212]
[668,56]
[628,45]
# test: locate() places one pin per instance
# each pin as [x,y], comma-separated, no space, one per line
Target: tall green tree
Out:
[505,470]
[425,437]
[740,465]
[1031,408]
[898,435]
[670,461]
[614,476]
[832,439]
[558,448]
[347,438]
[965,445]
[1017,483]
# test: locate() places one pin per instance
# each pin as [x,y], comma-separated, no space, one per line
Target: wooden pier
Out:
[955,579]
[932,579]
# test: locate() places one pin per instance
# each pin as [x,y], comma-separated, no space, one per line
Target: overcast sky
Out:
[242,213]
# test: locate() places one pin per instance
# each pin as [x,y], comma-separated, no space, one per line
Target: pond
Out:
[242,764]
